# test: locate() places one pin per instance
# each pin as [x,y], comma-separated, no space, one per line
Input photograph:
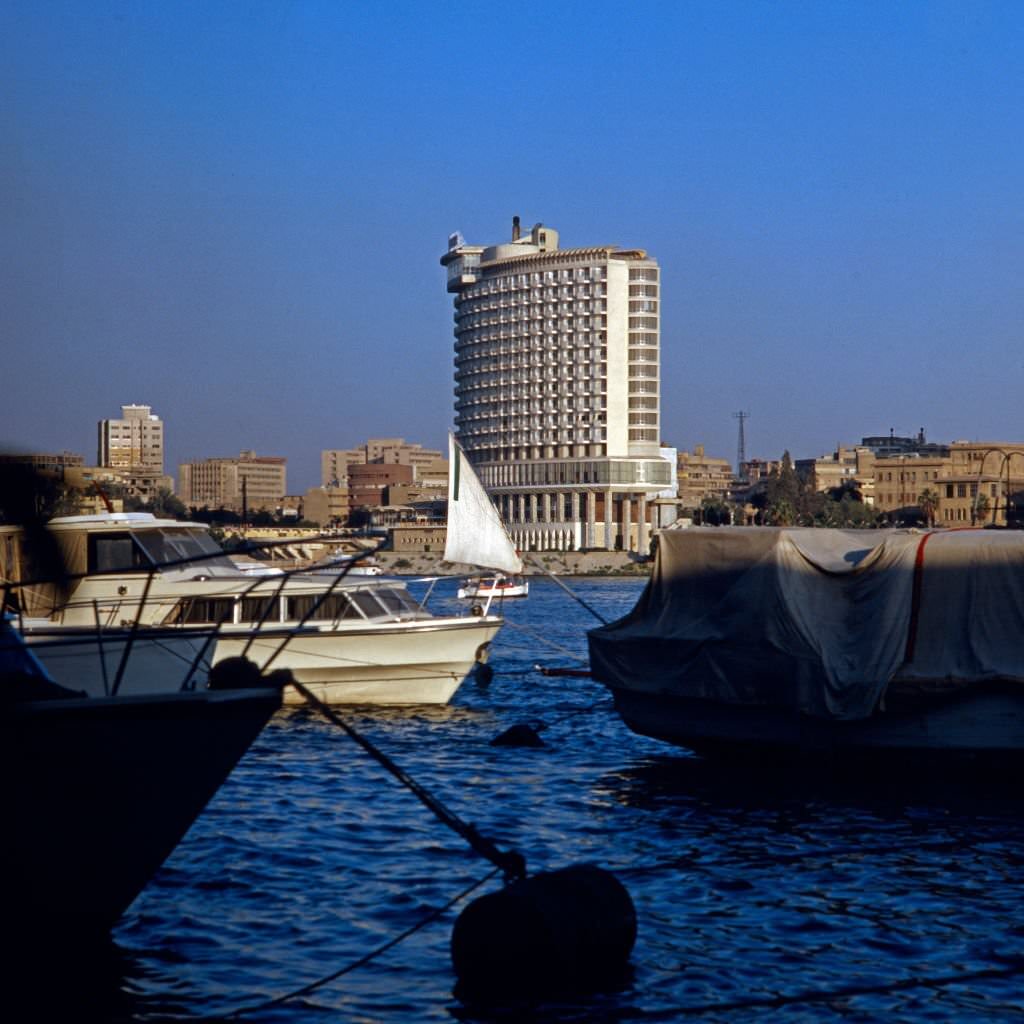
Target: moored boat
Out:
[101,789]
[494,586]
[782,641]
[162,587]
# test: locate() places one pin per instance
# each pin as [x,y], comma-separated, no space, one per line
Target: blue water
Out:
[767,890]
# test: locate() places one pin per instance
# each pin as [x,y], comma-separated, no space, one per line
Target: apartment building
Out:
[983,484]
[702,476]
[250,482]
[557,386]
[334,462]
[136,440]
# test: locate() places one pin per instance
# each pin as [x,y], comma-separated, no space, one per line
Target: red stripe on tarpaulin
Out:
[915,596]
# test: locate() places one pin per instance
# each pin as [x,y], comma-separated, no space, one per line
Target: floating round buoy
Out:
[558,931]
[483,673]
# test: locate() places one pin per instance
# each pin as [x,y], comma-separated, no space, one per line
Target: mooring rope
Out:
[544,640]
[305,990]
[511,863]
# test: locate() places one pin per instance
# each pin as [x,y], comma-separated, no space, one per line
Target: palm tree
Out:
[928,501]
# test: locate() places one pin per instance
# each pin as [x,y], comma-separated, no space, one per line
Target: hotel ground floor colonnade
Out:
[578,519]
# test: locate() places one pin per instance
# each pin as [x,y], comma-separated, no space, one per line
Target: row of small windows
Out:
[497,283]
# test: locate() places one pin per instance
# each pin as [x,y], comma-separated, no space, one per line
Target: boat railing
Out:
[136,623]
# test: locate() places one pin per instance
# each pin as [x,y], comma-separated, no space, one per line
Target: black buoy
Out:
[560,931]
[483,673]
[520,735]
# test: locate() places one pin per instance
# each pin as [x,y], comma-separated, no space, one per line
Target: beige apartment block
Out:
[702,476]
[900,480]
[418,539]
[134,441]
[327,506]
[983,480]
[256,482]
[368,484]
[557,386]
[334,462]
[846,465]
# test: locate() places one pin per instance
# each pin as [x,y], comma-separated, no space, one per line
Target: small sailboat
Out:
[476,535]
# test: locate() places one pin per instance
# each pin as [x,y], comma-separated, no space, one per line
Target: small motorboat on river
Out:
[493,586]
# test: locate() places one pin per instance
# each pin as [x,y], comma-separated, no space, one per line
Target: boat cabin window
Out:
[331,609]
[259,609]
[116,552]
[204,609]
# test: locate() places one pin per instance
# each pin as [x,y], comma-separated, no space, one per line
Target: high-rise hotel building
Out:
[557,387]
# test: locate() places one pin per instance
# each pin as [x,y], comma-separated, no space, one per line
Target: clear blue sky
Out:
[233,212]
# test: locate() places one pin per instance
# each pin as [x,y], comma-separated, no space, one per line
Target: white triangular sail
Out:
[476,535]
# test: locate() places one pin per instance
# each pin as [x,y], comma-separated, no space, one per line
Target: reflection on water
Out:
[749,884]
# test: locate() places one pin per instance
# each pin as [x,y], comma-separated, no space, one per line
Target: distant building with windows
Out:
[131,449]
[557,386]
[135,441]
[425,462]
[249,482]
[702,476]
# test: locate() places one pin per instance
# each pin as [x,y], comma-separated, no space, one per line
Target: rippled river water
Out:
[760,896]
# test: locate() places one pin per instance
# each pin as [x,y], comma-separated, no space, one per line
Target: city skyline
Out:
[233,215]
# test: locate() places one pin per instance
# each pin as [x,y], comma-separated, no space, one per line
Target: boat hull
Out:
[399,663]
[985,720]
[114,785]
[419,662]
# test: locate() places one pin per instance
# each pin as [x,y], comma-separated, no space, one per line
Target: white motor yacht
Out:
[165,591]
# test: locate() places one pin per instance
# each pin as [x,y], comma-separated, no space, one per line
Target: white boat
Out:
[101,789]
[162,587]
[758,641]
[494,586]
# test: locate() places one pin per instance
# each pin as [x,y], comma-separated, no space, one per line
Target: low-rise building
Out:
[702,476]
[368,483]
[846,465]
[984,484]
[327,506]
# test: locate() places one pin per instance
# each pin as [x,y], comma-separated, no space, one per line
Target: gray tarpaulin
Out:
[819,620]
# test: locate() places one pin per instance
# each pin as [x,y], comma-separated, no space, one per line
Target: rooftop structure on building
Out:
[557,386]
[884,446]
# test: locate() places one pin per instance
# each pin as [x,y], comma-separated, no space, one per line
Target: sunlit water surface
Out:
[775,890]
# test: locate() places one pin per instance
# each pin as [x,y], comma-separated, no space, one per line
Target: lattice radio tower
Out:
[741,447]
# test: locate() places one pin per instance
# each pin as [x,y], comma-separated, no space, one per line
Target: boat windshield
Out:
[174,545]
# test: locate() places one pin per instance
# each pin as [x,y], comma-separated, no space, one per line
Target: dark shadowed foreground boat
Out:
[99,790]
[776,640]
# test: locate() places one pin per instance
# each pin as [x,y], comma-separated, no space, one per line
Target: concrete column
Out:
[608,507]
[545,507]
[533,508]
[627,525]
[590,500]
[643,542]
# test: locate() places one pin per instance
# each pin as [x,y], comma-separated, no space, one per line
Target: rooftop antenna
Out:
[741,447]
